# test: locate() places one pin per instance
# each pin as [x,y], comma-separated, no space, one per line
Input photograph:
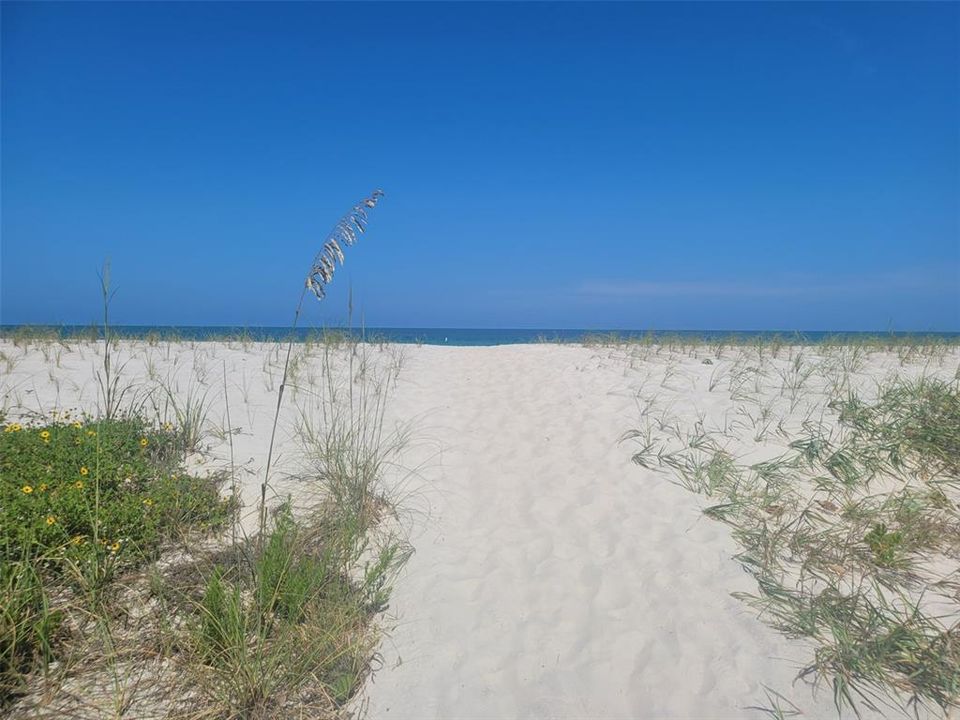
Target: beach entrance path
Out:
[552,577]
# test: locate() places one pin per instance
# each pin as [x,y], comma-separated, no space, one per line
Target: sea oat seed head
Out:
[345,232]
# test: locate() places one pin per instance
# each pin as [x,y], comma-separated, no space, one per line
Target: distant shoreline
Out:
[471,336]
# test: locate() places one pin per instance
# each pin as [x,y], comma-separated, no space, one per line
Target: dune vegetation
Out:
[134,580]
[842,492]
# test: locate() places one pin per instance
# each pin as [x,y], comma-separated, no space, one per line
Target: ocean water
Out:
[471,336]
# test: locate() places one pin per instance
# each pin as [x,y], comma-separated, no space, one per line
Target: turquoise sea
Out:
[471,336]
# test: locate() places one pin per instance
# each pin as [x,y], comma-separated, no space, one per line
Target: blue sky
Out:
[663,166]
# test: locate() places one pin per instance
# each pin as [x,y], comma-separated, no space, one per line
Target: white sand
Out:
[552,577]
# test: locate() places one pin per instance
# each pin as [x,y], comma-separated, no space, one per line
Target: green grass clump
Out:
[289,626]
[80,502]
[29,627]
[884,544]
[867,644]
[916,422]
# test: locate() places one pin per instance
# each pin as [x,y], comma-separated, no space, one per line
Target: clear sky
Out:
[664,166]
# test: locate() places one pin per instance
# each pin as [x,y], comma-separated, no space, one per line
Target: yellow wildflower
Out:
[77,425]
[148,502]
[45,434]
[78,484]
[51,520]
[26,489]
[143,442]
[17,427]
[77,540]
[78,441]
[115,546]
[42,487]
[84,471]
[91,433]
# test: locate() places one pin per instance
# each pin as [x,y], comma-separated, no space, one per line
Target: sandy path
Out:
[555,578]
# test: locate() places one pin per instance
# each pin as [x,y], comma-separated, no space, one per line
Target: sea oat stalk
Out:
[345,232]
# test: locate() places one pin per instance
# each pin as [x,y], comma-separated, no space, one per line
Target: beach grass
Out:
[852,530]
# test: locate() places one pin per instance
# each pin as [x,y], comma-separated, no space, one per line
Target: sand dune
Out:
[552,577]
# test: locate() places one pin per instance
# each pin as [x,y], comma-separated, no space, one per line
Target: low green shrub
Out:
[80,501]
[69,485]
